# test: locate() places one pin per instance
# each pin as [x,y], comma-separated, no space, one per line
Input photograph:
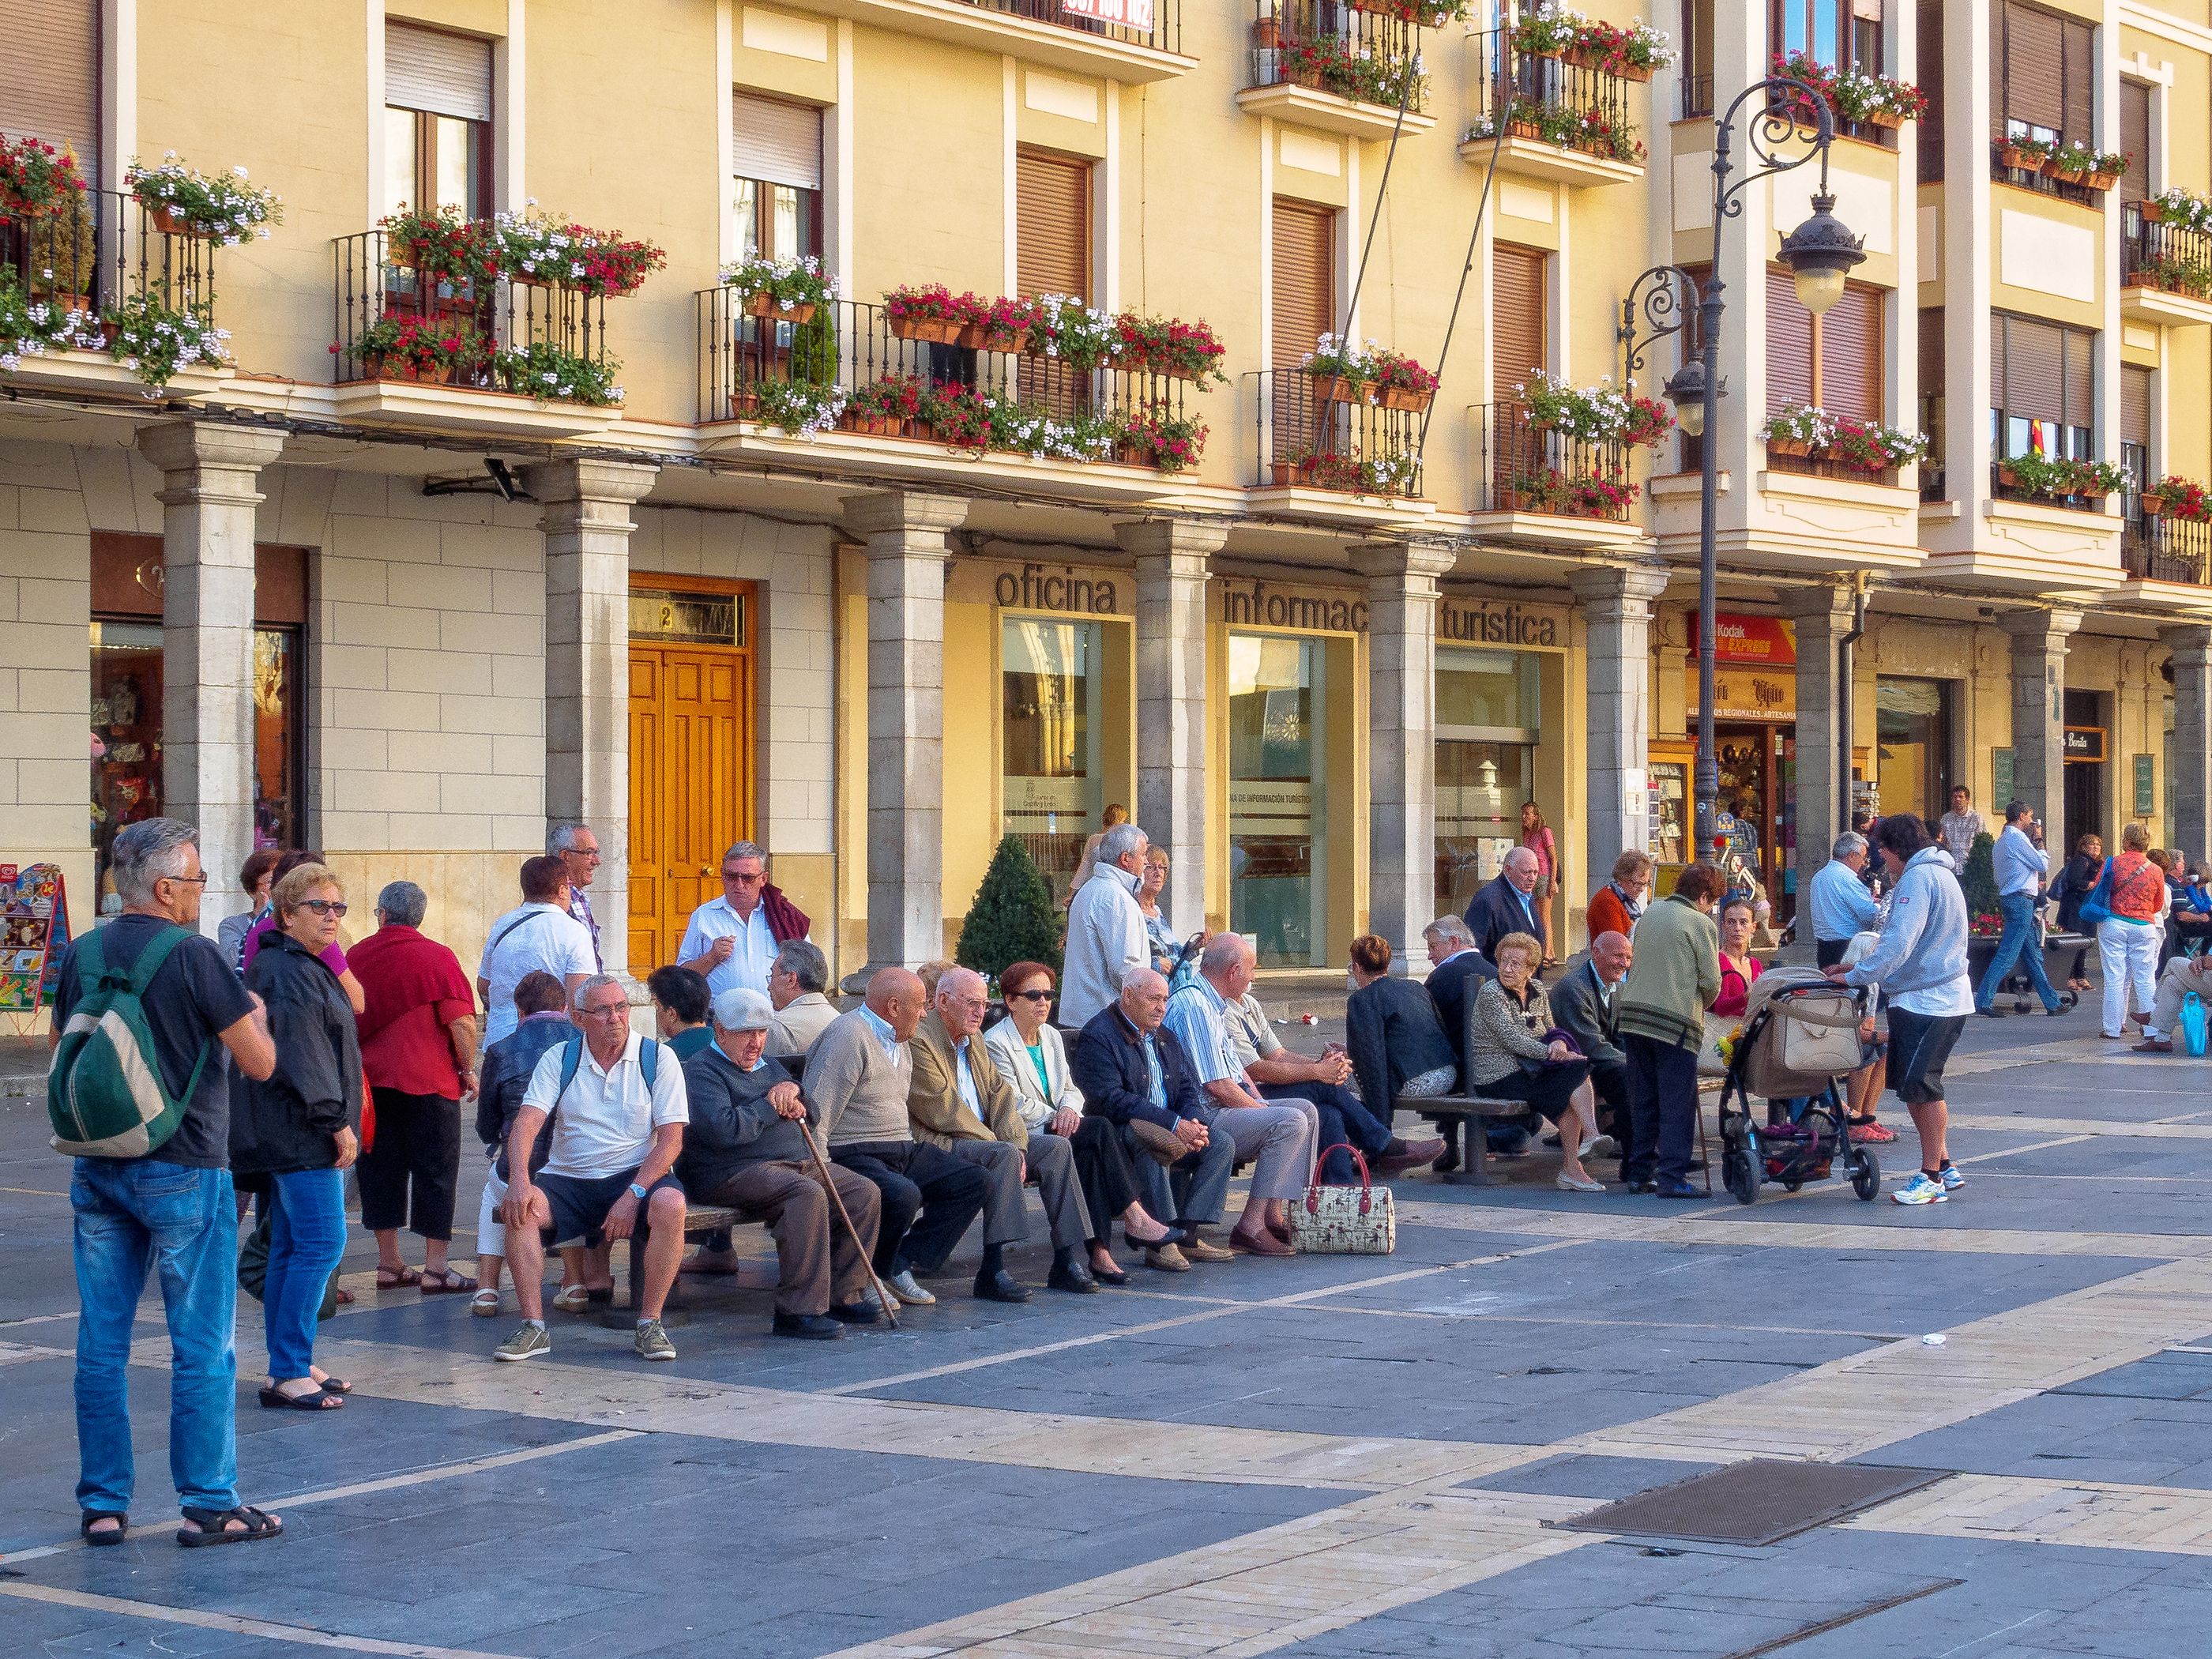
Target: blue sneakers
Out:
[1923,1189]
[1951,1178]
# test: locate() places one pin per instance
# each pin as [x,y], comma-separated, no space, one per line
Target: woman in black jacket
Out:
[1398,1047]
[2072,886]
[296,1129]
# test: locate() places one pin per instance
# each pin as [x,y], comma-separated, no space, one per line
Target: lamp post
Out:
[1818,252]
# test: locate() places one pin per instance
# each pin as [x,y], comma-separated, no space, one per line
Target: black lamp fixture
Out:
[1821,253]
[1686,390]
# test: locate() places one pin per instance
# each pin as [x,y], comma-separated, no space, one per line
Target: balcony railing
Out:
[105,249]
[1331,46]
[2155,254]
[498,312]
[1570,105]
[747,363]
[1825,466]
[1319,442]
[1524,468]
[2159,548]
[2007,492]
[2036,179]
[1155,23]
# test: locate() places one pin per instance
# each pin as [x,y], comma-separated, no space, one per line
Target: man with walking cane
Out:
[750,1146]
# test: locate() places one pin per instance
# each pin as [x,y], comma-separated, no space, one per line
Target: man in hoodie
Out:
[1921,966]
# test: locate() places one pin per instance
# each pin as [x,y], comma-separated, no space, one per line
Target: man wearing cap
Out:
[747,1148]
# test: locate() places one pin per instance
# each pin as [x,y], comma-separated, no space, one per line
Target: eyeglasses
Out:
[1028,996]
[744,880]
[321,907]
[201,880]
[612,1011]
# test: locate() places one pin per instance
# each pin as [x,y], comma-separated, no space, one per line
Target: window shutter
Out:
[2074,384]
[1305,291]
[1052,225]
[774,141]
[2135,405]
[1519,327]
[439,73]
[1789,343]
[1929,138]
[2077,112]
[1931,351]
[2135,139]
[1851,354]
[2032,361]
[2030,71]
[50,77]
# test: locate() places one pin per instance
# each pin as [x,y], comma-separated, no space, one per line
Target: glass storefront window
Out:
[1051,693]
[1277,892]
[1912,726]
[1487,718]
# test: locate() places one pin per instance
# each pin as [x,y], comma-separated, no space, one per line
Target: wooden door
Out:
[690,786]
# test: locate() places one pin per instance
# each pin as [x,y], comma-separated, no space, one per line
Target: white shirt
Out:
[963,1077]
[749,960]
[530,939]
[1106,943]
[608,1116]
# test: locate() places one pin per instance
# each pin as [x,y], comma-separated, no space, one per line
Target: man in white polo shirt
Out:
[619,1130]
[732,940]
[537,935]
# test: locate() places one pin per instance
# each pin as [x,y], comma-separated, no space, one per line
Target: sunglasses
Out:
[745,880]
[1029,996]
[321,907]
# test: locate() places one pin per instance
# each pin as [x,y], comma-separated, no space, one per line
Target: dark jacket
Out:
[732,1123]
[505,1074]
[1393,1032]
[1495,911]
[1108,1066]
[2072,886]
[1583,1013]
[1451,986]
[285,1122]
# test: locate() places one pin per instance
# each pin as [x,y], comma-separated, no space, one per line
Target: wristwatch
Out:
[637,1192]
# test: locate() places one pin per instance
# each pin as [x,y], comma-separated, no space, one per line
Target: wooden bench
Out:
[701,1219]
[1472,1111]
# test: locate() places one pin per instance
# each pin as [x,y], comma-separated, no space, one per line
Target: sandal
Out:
[571,1299]
[335,1385]
[214,1527]
[485,1304]
[276,1400]
[345,1297]
[84,1523]
[396,1279]
[444,1282]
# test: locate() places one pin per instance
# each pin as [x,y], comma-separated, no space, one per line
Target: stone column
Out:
[1402,746]
[587,523]
[2192,737]
[1823,616]
[1171,557]
[2038,710]
[208,496]
[905,536]
[1617,619]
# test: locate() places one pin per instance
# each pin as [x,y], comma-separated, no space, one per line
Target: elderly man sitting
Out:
[746,1147]
[1582,1003]
[1282,1136]
[960,1102]
[2182,975]
[798,984]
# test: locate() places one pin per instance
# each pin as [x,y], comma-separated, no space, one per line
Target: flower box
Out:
[981,337]
[1787,446]
[1890,118]
[1518,127]
[745,404]
[1337,389]
[168,223]
[1133,454]
[887,426]
[932,331]
[1406,398]
[381,368]
[2100,180]
[2023,161]
[764,305]
[2051,169]
[2151,506]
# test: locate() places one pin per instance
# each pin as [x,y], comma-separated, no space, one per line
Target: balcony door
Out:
[1303,295]
[1520,347]
[437,120]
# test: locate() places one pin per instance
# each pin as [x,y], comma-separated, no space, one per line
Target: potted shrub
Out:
[1533,492]
[929,313]
[788,290]
[2094,480]
[1798,429]
[2177,498]
[1876,101]
[801,408]
[1634,53]
[402,346]
[1600,495]
[550,373]
[2024,154]
[37,181]
[154,341]
[999,324]
[960,415]
[1402,383]
[1072,332]
[890,407]
[1185,351]
[2182,207]
[1871,447]
[1340,372]
[1649,420]
[1548,32]
[541,252]
[222,207]
[1152,437]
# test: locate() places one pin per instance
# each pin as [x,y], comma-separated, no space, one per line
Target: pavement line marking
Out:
[2086,1126]
[1222,1311]
[32,1192]
[237,1626]
[37,1319]
[2086,1514]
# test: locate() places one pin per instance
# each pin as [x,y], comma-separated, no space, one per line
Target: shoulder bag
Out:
[2096,907]
[1360,1220]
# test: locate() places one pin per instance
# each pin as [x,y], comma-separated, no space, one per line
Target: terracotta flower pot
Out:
[2151,508]
[2021,161]
[1337,389]
[745,404]
[1406,398]
[1794,447]
[1884,118]
[1133,454]
[2101,180]
[1520,128]
[764,305]
[2152,212]
[933,331]
[1284,472]
[1267,33]
[167,222]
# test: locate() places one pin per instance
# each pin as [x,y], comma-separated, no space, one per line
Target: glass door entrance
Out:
[1276,857]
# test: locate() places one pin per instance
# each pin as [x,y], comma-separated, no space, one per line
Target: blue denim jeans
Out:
[2018,940]
[307,1239]
[134,1215]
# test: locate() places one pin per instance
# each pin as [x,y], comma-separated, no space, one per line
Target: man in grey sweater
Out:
[858,1075]
[746,1146]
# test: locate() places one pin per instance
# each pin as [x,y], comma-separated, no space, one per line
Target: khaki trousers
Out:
[816,1259]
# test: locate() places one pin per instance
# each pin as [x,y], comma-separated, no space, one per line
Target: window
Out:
[1932,400]
[1276,846]
[2135,428]
[1834,361]
[1837,31]
[1520,319]
[1929,74]
[1913,720]
[1697,57]
[437,120]
[2042,74]
[2039,388]
[1305,291]
[776,152]
[2135,140]
[1487,721]
[50,77]
[1052,224]
[1789,343]
[1051,689]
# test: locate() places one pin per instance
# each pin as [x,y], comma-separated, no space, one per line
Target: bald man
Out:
[1583,1004]
[859,1073]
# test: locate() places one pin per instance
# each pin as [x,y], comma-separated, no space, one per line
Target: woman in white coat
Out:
[1028,1052]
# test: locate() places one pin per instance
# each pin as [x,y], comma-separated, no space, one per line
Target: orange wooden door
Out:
[690,786]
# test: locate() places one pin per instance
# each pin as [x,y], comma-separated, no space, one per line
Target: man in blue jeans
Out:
[2019,866]
[171,1211]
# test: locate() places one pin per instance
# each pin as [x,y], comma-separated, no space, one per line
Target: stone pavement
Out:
[1327,1456]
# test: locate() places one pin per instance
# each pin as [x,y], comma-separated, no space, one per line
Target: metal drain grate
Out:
[1760,1502]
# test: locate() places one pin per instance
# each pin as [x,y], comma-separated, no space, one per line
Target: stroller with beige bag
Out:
[1800,1038]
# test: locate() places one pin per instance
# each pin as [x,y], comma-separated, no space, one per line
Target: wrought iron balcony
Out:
[1571,106]
[1313,438]
[105,249]
[2160,548]
[1155,23]
[1332,47]
[2171,258]
[2004,171]
[1521,467]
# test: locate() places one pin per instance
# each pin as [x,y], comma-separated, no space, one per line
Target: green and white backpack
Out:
[106,1096]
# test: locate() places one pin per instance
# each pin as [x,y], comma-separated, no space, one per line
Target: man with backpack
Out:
[147,1017]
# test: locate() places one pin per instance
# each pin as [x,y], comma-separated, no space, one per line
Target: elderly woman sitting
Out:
[1513,1055]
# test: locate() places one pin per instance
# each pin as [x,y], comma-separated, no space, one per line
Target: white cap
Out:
[741,1010]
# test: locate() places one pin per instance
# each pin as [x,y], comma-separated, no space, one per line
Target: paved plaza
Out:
[1328,1456]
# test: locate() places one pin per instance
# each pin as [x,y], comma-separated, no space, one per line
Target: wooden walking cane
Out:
[884,1295]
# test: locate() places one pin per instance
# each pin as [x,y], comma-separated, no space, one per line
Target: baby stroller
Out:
[1801,1034]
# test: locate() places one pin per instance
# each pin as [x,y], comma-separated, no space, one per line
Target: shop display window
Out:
[1051,694]
[1277,892]
[1487,723]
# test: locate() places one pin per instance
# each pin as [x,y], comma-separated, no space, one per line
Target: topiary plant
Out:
[1013,919]
[1978,880]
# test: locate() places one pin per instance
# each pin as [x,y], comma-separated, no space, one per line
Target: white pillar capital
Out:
[901,513]
[1414,564]
[1628,590]
[2052,627]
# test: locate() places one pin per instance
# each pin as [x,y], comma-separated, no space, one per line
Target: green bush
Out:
[1013,918]
[1978,880]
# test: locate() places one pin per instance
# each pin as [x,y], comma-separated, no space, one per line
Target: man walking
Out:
[1106,940]
[1841,906]
[578,850]
[1920,963]
[173,1207]
[2020,863]
[734,940]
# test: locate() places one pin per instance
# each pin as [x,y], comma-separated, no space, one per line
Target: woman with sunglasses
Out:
[1028,1054]
[295,1129]
[264,923]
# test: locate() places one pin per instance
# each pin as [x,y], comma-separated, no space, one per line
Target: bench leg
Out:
[1474,1155]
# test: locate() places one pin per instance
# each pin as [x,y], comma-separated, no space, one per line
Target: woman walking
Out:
[2128,938]
[295,1129]
[1536,836]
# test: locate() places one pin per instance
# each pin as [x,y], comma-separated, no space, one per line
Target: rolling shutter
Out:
[1928,140]
[2135,139]
[2078,108]
[1851,355]
[2078,374]
[2029,365]
[774,141]
[2135,405]
[2028,70]
[1304,291]
[1519,332]
[1052,225]
[1789,343]
[50,77]
[1931,352]
[438,73]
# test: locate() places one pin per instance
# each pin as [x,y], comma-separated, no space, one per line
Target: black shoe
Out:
[816,1327]
[1447,1161]
[1177,1233]
[1675,1189]
[1640,1187]
[1072,1277]
[1112,1280]
[1991,1012]
[855,1313]
[1000,1287]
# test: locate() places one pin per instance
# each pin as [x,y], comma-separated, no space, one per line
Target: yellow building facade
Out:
[327,593]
